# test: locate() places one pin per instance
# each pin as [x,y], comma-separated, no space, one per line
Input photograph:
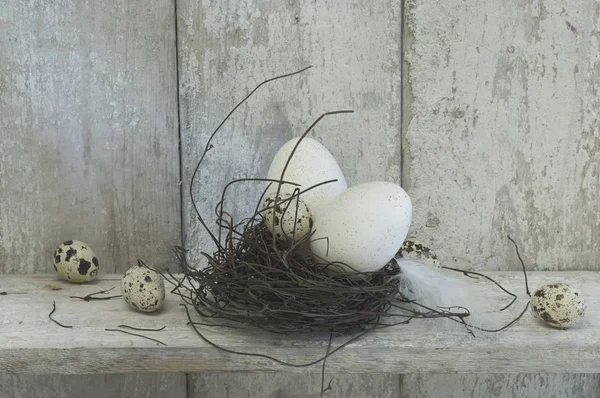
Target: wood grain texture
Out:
[155,385]
[228,47]
[284,385]
[89,148]
[502,130]
[31,344]
[501,386]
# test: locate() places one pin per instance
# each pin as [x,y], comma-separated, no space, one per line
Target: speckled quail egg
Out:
[285,214]
[413,249]
[143,288]
[75,261]
[558,305]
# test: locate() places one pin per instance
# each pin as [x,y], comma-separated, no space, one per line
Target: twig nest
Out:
[75,261]
[287,217]
[143,289]
[558,305]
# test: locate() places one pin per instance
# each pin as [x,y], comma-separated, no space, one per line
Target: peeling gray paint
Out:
[88,114]
[500,135]
[502,131]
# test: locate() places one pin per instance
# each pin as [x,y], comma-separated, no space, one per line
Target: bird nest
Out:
[254,280]
[279,287]
[258,281]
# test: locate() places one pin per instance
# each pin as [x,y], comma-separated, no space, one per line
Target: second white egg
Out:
[311,164]
[363,227]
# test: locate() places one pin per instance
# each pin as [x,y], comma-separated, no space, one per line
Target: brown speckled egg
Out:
[413,249]
[558,305]
[143,289]
[285,215]
[75,261]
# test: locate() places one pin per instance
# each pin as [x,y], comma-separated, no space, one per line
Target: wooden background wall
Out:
[486,112]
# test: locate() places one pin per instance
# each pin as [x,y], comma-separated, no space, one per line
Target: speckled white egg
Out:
[558,305]
[362,227]
[413,249]
[143,289]
[286,215]
[311,164]
[75,261]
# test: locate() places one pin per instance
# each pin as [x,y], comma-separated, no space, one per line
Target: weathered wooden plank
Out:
[501,386]
[500,136]
[275,385]
[31,344]
[139,385]
[227,48]
[88,120]
[502,129]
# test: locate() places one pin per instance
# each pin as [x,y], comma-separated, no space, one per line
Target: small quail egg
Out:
[282,217]
[143,288]
[558,305]
[74,261]
[413,249]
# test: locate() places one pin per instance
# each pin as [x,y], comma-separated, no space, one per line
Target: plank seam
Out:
[181,171]
[401,91]
[188,380]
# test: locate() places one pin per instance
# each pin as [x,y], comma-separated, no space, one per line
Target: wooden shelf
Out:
[31,344]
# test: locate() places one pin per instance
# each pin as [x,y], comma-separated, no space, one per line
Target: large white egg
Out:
[364,226]
[311,164]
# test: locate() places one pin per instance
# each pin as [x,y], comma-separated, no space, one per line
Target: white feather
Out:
[442,290]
